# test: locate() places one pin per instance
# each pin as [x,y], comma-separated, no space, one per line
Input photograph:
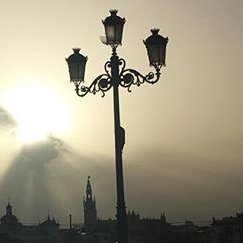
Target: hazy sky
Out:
[184,136]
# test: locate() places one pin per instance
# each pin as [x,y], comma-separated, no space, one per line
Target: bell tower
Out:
[90,213]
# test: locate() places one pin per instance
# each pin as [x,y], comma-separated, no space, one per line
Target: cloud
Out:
[49,175]
[8,142]
[6,120]
[24,181]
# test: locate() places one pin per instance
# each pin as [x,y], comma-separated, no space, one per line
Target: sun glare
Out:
[38,112]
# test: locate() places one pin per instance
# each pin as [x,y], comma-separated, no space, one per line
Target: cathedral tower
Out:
[90,213]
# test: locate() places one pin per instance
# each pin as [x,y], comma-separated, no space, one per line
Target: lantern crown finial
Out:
[76,49]
[76,56]
[154,31]
[114,18]
[113,12]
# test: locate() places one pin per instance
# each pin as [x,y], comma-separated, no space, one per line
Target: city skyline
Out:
[89,208]
[184,136]
[90,214]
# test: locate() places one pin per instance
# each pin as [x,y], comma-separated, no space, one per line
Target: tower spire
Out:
[88,189]
[90,213]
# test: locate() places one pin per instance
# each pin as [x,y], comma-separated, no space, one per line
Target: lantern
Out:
[113,29]
[156,49]
[76,65]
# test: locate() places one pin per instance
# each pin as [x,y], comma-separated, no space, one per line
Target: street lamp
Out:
[117,75]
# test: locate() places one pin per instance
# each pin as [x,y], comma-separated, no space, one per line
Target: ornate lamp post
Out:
[116,74]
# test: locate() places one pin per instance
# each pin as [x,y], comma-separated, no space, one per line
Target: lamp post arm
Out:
[129,77]
[102,84]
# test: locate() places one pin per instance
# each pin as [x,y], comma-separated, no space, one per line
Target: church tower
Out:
[90,213]
[9,218]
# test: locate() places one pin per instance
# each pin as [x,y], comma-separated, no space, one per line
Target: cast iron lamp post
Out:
[117,75]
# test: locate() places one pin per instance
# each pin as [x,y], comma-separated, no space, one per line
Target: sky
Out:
[184,136]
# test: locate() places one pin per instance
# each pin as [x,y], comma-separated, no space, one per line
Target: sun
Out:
[38,110]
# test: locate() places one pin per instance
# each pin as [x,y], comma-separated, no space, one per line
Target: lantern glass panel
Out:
[76,71]
[156,54]
[110,34]
[113,34]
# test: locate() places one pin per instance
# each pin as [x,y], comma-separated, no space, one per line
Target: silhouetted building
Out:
[140,230]
[228,229]
[12,231]
[90,213]
[9,222]
[50,226]
[9,218]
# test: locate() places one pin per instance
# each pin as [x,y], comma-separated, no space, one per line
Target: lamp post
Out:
[116,74]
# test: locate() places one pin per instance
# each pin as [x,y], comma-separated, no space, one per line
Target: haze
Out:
[184,136]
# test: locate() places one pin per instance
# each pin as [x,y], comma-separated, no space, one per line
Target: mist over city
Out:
[163,153]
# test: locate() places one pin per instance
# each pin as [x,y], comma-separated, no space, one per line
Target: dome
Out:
[9,218]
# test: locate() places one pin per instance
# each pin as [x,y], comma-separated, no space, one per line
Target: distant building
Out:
[228,229]
[140,230]
[50,227]
[9,222]
[12,231]
[145,230]
[9,219]
[90,212]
